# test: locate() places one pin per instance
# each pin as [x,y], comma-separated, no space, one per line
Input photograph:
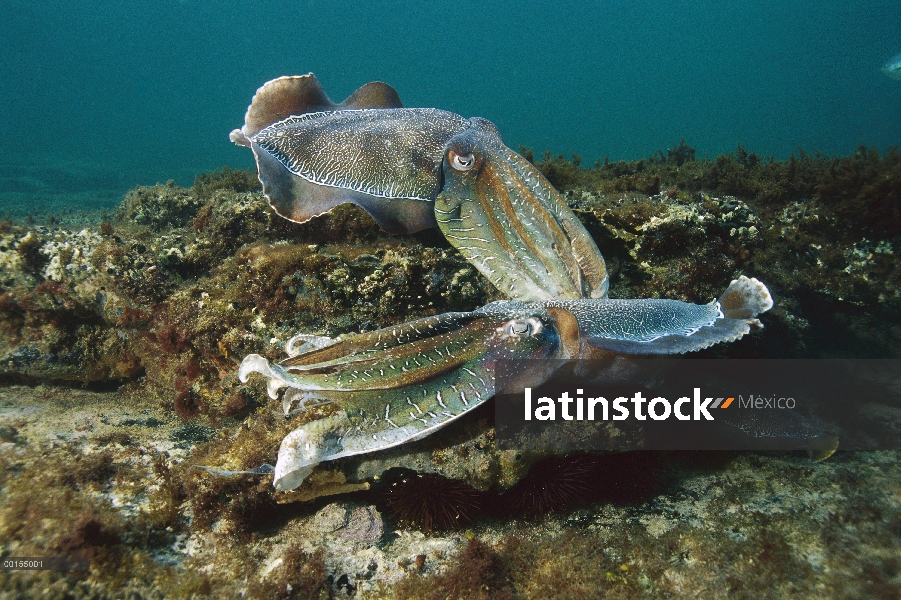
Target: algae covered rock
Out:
[156,308]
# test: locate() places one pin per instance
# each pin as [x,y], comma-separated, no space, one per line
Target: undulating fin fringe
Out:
[287,96]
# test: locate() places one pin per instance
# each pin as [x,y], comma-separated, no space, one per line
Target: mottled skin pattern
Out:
[387,153]
[417,168]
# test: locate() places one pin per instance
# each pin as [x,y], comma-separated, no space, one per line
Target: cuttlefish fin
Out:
[375,94]
[672,327]
[279,99]
[297,95]
[723,330]
[293,197]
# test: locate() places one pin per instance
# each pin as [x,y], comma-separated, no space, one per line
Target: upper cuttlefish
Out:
[415,168]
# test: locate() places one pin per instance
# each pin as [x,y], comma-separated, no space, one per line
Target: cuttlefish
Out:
[414,168]
[401,383]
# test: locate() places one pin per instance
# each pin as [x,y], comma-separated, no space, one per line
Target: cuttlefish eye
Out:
[461,162]
[522,328]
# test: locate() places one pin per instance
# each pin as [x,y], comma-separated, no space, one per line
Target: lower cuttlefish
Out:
[411,169]
[401,383]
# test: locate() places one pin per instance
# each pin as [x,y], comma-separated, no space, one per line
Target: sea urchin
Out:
[426,501]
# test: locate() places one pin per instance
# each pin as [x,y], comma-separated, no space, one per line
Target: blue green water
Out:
[100,96]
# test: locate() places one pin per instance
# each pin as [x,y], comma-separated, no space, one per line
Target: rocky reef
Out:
[119,355]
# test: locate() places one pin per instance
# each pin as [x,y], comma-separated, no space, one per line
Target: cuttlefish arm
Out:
[500,212]
[638,327]
[609,327]
[399,384]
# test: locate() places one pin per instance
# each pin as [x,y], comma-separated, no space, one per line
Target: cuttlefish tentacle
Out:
[512,225]
[355,350]
[360,345]
[389,368]
[304,342]
[391,395]
[395,358]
